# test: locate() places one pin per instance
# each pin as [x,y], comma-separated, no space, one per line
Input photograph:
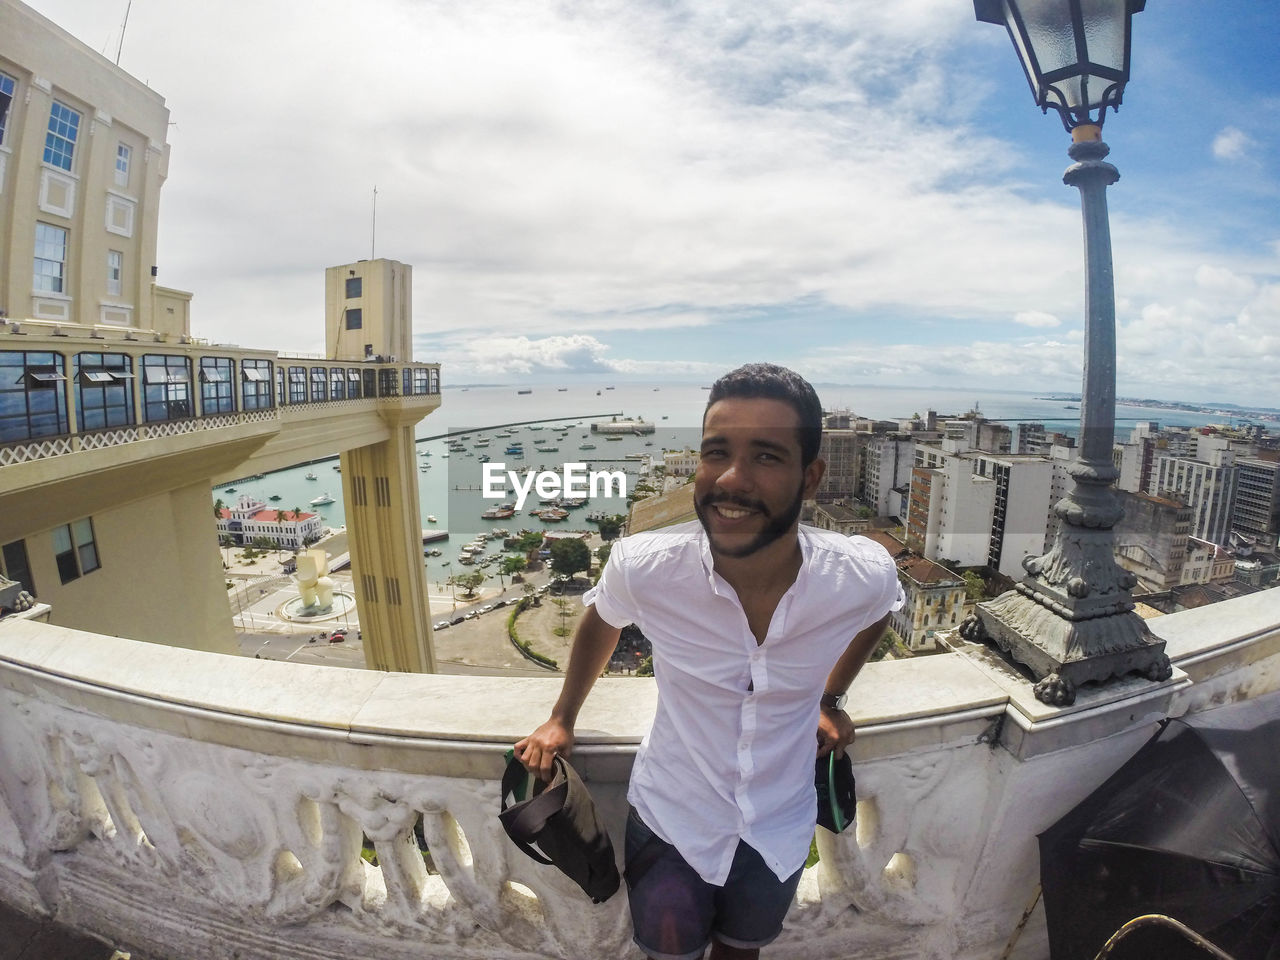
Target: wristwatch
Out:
[834,701]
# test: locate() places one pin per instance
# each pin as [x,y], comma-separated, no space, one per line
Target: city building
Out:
[680,463]
[116,423]
[1207,562]
[888,459]
[1206,486]
[935,597]
[976,509]
[1151,539]
[251,520]
[842,450]
[840,518]
[1255,513]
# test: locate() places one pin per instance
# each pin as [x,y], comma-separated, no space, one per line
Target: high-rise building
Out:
[1256,512]
[1206,486]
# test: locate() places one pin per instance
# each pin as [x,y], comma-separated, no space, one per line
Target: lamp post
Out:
[1071,619]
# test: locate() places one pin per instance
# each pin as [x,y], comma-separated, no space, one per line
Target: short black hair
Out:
[771,382]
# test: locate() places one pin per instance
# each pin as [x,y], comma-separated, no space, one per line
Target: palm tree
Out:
[218,507]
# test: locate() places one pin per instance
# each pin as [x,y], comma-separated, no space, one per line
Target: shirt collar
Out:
[715,581]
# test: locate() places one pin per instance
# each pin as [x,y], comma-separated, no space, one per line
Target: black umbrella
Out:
[1189,827]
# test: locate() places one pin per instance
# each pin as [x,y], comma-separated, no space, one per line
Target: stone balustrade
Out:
[201,807]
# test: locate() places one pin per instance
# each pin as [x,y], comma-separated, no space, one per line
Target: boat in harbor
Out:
[551,514]
[547,449]
[431,518]
[500,512]
[586,446]
[274,497]
[321,500]
[522,392]
[231,489]
[310,475]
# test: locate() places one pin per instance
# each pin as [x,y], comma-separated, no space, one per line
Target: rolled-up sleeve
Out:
[611,596]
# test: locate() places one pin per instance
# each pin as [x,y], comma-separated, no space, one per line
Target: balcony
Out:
[191,805]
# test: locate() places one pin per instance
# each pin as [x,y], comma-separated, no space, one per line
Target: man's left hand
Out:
[835,731]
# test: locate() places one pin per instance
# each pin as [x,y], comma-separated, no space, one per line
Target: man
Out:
[758,627]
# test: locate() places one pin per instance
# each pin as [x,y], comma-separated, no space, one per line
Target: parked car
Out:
[486,608]
[457,620]
[442,625]
[470,615]
[499,603]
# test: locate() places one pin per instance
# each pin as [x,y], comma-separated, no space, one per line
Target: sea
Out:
[558,418]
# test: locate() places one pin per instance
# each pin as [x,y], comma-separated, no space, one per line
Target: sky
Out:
[663,189]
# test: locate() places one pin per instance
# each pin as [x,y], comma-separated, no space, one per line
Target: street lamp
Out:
[1071,619]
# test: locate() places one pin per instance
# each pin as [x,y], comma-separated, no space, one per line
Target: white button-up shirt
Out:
[730,755]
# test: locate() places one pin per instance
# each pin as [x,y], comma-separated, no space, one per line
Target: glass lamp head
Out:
[1075,53]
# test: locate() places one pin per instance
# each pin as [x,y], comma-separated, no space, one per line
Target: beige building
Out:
[935,597]
[115,423]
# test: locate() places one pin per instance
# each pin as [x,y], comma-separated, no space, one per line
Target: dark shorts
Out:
[675,913]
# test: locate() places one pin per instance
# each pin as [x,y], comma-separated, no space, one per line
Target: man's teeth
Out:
[731,513]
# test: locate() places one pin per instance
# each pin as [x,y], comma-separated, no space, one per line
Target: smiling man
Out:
[758,627]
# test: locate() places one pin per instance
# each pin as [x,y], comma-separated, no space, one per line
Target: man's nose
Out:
[736,476]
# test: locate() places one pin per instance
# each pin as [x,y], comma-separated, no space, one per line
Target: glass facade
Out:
[33,398]
[103,389]
[217,385]
[255,384]
[166,387]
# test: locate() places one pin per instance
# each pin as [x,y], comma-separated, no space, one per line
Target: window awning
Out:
[41,378]
[211,375]
[297,376]
[164,375]
[96,376]
[353,376]
[253,373]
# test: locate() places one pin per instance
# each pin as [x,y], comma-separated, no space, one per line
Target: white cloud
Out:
[1232,143]
[564,177]
[1034,318]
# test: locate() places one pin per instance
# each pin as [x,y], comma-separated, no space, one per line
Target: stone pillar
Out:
[384,532]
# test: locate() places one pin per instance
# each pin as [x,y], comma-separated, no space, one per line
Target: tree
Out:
[531,594]
[470,582]
[218,507]
[530,540]
[511,565]
[570,556]
[602,553]
[610,527]
[974,587]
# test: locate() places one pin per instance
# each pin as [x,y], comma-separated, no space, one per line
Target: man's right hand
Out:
[538,750]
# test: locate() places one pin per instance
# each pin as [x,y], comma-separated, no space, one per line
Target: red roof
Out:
[269,516]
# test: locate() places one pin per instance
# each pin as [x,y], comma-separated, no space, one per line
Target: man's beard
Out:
[775,526]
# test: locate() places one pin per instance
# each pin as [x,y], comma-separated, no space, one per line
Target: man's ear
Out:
[813,475]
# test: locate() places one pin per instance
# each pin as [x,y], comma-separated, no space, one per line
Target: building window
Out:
[217,389]
[388,382]
[355,319]
[297,384]
[422,380]
[104,390]
[166,387]
[16,566]
[337,383]
[255,384]
[51,258]
[319,384]
[353,287]
[123,153]
[115,270]
[33,402]
[353,383]
[60,141]
[74,550]
[7,87]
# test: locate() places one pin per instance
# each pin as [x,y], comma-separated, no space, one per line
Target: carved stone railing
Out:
[191,805]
